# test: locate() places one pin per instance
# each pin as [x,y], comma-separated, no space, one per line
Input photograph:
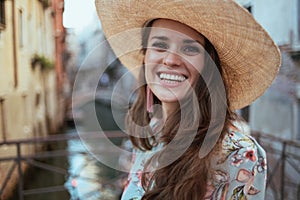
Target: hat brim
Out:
[249,57]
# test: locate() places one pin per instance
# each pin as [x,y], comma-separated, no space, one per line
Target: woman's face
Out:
[173,59]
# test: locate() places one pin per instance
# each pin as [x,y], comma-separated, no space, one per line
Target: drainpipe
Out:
[15,57]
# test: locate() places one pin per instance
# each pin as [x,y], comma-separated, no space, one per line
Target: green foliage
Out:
[45,62]
[45,3]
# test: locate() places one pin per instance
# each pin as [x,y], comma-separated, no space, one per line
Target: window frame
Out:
[2,15]
[21,27]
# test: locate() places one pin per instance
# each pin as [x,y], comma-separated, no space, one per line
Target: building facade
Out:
[277,112]
[31,68]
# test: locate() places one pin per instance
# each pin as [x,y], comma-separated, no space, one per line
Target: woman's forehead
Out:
[168,28]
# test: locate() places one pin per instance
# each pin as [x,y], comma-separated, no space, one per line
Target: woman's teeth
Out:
[171,77]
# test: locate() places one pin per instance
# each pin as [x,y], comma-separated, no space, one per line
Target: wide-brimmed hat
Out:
[249,57]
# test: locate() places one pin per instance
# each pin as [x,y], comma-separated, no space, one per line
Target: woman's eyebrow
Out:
[185,41]
[164,38]
[189,41]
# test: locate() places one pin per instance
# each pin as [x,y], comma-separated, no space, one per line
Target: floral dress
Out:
[238,174]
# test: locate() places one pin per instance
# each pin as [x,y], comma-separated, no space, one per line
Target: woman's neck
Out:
[169,108]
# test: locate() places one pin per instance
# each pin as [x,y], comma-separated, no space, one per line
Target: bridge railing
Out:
[20,158]
[283,182]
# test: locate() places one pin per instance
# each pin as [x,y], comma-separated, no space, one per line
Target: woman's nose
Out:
[172,59]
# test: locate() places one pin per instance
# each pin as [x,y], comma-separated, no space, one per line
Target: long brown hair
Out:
[186,178]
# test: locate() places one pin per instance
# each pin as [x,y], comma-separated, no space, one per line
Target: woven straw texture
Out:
[250,59]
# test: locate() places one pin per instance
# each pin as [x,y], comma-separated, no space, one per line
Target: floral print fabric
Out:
[239,172]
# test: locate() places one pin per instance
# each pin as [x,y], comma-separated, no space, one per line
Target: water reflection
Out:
[90,179]
[37,177]
[86,178]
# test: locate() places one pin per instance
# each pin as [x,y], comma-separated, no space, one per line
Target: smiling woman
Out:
[199,61]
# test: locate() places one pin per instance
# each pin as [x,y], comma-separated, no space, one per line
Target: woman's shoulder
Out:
[238,137]
[241,150]
[239,171]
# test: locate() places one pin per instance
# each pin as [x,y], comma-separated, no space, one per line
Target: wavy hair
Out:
[186,178]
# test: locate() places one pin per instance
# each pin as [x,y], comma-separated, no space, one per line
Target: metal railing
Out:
[32,159]
[283,182]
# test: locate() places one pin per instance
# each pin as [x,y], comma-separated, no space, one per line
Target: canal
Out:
[86,179]
[79,174]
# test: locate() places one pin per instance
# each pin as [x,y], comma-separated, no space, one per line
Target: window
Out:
[3,123]
[245,113]
[2,14]
[249,8]
[21,27]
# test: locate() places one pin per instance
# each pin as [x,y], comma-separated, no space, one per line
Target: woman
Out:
[200,61]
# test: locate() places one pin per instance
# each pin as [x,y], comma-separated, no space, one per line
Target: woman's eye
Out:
[191,50]
[160,45]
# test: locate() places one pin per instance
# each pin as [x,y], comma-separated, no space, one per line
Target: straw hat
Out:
[249,57]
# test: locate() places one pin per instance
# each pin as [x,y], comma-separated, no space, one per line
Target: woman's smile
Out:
[171,79]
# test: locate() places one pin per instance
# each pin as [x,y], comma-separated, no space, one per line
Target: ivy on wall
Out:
[44,62]
[45,3]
